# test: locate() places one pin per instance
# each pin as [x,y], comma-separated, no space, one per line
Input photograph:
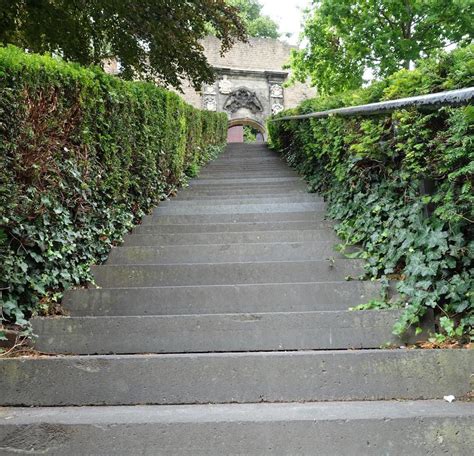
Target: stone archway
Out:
[235,129]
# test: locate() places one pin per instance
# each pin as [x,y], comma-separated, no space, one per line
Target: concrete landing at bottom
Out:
[338,428]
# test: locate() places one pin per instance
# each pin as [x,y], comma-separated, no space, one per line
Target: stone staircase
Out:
[221,327]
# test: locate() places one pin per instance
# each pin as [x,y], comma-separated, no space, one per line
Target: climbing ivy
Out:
[83,156]
[376,173]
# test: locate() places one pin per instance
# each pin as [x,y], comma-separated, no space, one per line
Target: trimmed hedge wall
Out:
[372,170]
[83,155]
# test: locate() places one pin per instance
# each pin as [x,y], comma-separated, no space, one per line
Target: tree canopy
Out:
[345,37]
[158,39]
[257,24]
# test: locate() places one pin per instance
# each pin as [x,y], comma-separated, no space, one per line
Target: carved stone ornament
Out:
[243,98]
[209,90]
[225,86]
[210,103]
[276,108]
[276,91]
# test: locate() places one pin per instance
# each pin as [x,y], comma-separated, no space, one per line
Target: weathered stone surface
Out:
[340,428]
[210,299]
[249,238]
[147,253]
[303,198]
[234,218]
[236,377]
[218,333]
[240,208]
[116,276]
[233,227]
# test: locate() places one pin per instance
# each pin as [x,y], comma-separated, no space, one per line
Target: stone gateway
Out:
[250,84]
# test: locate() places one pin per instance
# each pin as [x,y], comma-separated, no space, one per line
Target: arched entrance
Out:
[245,130]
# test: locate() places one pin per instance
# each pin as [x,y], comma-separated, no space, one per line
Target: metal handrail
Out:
[457,97]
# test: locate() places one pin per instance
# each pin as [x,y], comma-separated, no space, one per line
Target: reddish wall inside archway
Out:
[235,134]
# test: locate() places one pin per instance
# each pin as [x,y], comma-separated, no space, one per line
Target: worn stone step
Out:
[304,198]
[246,165]
[239,332]
[203,378]
[212,299]
[117,276]
[239,171]
[233,218]
[391,428]
[243,191]
[249,237]
[243,181]
[238,176]
[224,159]
[233,227]
[233,194]
[260,208]
[254,184]
[223,253]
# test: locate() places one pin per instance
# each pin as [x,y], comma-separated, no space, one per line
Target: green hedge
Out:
[83,155]
[372,171]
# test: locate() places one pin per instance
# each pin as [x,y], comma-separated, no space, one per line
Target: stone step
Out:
[246,167]
[250,237]
[212,299]
[255,184]
[303,198]
[237,175]
[128,276]
[241,171]
[260,208]
[223,253]
[300,376]
[239,332]
[245,164]
[244,191]
[229,159]
[233,194]
[233,227]
[234,218]
[391,428]
[244,181]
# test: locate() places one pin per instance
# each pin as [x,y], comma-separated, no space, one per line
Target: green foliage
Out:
[257,25]
[372,170]
[346,37]
[158,39]
[374,304]
[83,156]
[250,134]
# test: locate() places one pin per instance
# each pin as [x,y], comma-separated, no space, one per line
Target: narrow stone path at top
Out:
[231,294]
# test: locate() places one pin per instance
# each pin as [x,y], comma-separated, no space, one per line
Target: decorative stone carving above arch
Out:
[276,108]
[276,91]
[225,86]
[209,89]
[243,98]
[210,103]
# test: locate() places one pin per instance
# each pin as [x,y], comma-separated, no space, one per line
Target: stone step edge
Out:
[222,333]
[293,376]
[249,412]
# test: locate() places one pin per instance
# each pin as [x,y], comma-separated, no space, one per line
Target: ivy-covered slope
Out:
[372,170]
[83,155]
